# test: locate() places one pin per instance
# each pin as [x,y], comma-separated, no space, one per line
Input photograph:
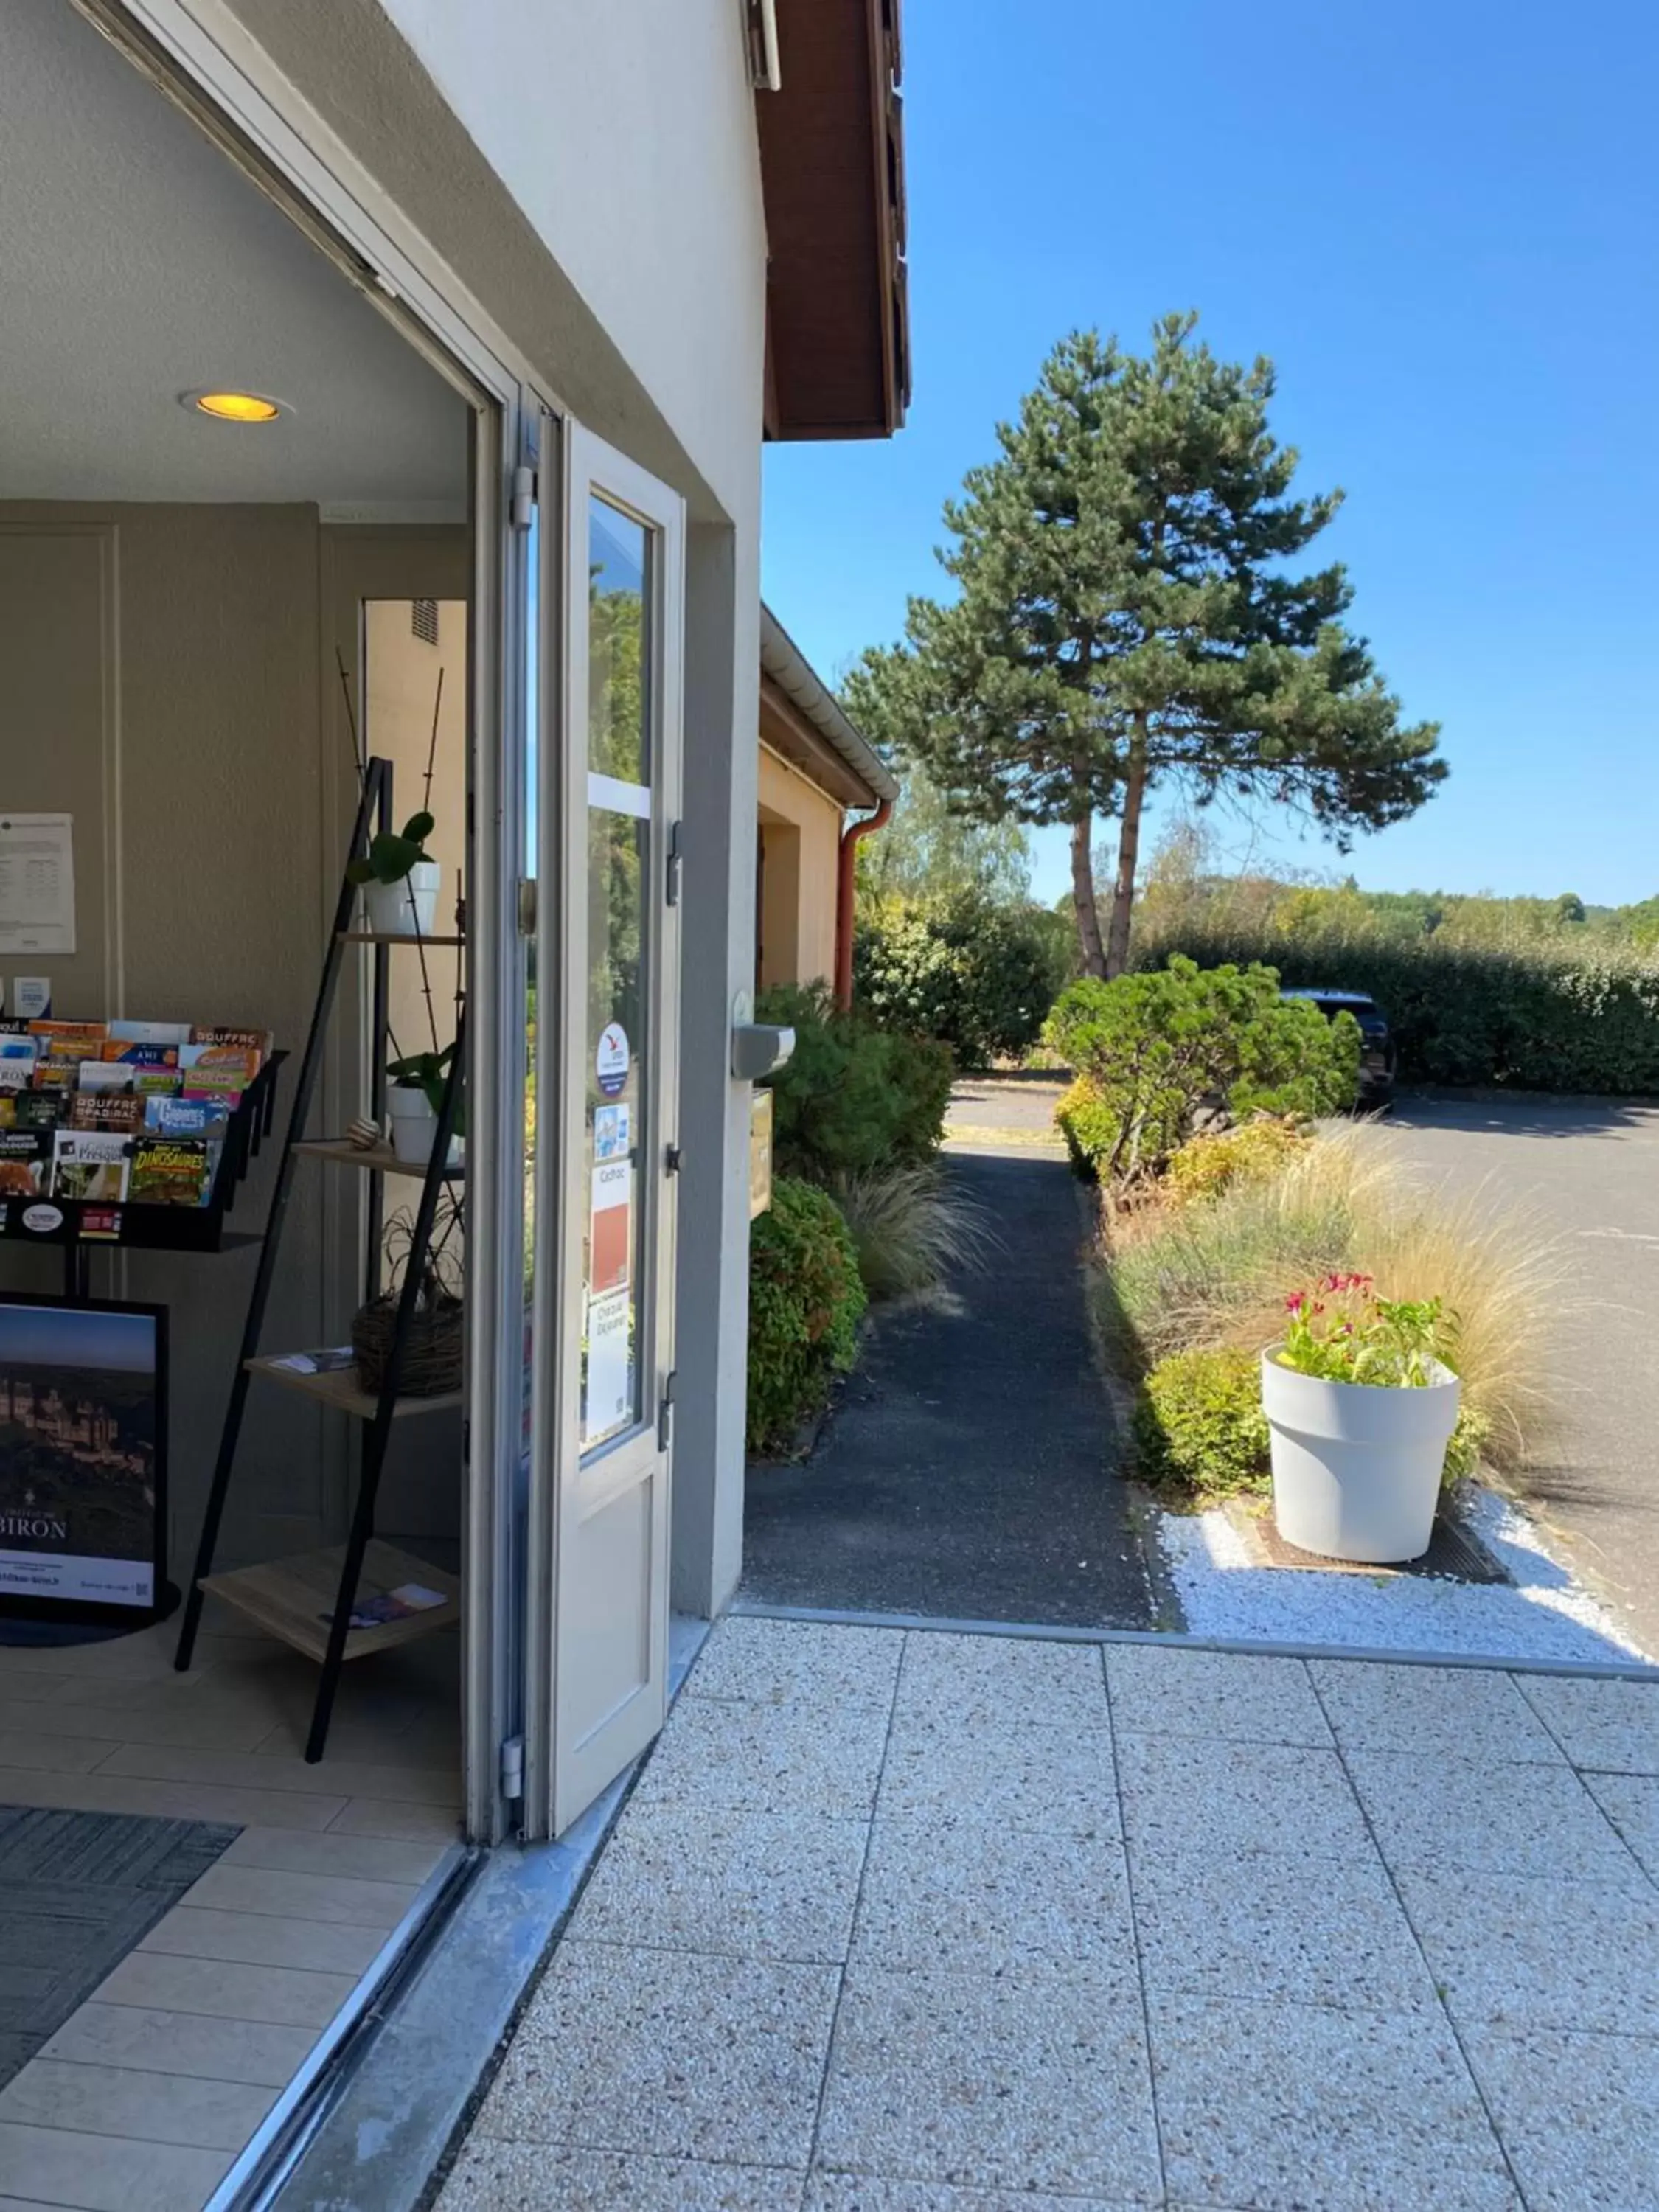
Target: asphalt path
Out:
[1590,1169]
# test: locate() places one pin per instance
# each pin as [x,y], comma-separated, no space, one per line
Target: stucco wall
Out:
[800,828]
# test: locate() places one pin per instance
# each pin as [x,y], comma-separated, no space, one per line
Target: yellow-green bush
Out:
[1086,1122]
[1255,1152]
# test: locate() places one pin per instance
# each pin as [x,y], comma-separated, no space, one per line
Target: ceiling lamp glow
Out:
[236,406]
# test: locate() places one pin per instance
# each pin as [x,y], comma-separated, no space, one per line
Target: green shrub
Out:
[1086,1122]
[806,1301]
[1254,1152]
[853,1096]
[1152,1046]
[1550,1016]
[978,974]
[1199,1424]
[911,1228]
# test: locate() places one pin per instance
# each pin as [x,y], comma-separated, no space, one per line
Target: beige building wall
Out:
[800,861]
[171,682]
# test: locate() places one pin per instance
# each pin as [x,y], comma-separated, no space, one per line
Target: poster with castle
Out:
[82,1444]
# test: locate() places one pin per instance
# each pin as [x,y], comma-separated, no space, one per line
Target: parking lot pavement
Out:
[1590,1168]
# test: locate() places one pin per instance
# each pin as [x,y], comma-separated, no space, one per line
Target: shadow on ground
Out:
[970,1470]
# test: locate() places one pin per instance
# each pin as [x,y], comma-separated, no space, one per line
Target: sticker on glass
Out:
[611,1231]
[611,1132]
[610,1381]
[613,1060]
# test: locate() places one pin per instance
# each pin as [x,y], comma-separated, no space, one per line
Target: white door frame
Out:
[599,1521]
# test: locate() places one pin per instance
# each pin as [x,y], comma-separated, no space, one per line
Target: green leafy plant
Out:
[1154,1047]
[806,1301]
[853,1096]
[392,852]
[1256,1151]
[1342,1332]
[429,1072]
[978,973]
[1199,1424]
[911,1228]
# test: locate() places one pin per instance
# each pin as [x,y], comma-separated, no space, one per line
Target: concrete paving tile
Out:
[161,2042]
[1229,1694]
[977,1897]
[793,1757]
[1468,1712]
[1498,1816]
[367,1858]
[1203,1798]
[107,2173]
[755,1885]
[675,2054]
[1014,2082]
[290,1896]
[1002,1678]
[117,2100]
[1611,1725]
[260,1939]
[1631,1801]
[1321,1931]
[388,1818]
[1002,1769]
[859,2193]
[1507,1949]
[280,1995]
[490,2176]
[768,1661]
[1299,2108]
[1578,2115]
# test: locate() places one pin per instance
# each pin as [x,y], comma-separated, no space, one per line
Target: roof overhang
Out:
[832,162]
[802,720]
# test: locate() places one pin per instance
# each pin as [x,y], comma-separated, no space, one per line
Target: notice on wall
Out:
[607,1396]
[37,883]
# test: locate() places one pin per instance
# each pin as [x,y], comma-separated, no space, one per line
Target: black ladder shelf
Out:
[307,1601]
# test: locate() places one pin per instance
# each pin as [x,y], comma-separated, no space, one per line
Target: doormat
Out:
[77,1892]
[1454,1554]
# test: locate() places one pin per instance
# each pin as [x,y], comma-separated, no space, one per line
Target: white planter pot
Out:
[414,1124]
[408,908]
[1357,1468]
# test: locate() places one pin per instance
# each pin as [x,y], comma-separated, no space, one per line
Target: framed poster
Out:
[83,1430]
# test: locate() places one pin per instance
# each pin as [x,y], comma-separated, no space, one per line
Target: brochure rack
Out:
[308,1601]
[80,1227]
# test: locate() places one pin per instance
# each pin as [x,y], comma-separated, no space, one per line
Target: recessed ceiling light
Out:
[234,406]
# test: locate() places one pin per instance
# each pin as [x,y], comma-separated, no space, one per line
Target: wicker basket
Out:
[432,1356]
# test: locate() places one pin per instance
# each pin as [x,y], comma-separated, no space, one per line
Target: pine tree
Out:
[1125,615]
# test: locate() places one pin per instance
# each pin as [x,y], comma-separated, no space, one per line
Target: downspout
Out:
[846,896]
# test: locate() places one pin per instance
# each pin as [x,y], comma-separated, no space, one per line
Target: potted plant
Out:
[413,1101]
[1361,1401]
[434,1348]
[399,882]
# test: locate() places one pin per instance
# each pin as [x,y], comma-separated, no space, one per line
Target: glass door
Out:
[605,1436]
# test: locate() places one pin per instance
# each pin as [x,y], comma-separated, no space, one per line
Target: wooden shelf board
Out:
[378,1157]
[294,1598]
[385,937]
[338,1388]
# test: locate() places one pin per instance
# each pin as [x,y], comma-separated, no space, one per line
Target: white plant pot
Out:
[408,908]
[414,1124]
[1357,1468]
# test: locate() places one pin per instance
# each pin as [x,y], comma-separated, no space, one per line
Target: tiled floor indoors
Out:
[925,1922]
[143,2100]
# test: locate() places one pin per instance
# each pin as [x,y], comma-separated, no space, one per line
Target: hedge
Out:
[852,1096]
[806,1301]
[978,974]
[1538,1019]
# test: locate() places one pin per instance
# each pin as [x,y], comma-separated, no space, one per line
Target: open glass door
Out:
[604,1434]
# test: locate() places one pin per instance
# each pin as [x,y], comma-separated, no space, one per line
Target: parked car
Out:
[1377,1053]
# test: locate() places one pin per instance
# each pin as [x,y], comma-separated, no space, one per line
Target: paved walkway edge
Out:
[1617,1670]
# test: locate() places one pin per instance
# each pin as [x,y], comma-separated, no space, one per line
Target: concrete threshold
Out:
[1042,1631]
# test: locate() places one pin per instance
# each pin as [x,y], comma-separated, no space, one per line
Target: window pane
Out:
[619,852]
[617,705]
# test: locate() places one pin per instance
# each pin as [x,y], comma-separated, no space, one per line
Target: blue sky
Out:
[1442,223]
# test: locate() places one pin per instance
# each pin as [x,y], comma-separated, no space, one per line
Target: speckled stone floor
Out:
[925,1922]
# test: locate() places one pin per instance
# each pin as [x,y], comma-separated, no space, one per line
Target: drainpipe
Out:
[846,896]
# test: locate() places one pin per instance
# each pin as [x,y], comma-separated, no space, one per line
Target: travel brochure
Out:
[120,1113]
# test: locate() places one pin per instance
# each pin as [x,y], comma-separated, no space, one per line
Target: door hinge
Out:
[527,906]
[665,1414]
[671,888]
[673,1160]
[522,510]
[512,1768]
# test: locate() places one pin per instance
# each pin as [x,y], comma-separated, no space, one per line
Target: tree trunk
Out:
[1083,895]
[1128,853]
